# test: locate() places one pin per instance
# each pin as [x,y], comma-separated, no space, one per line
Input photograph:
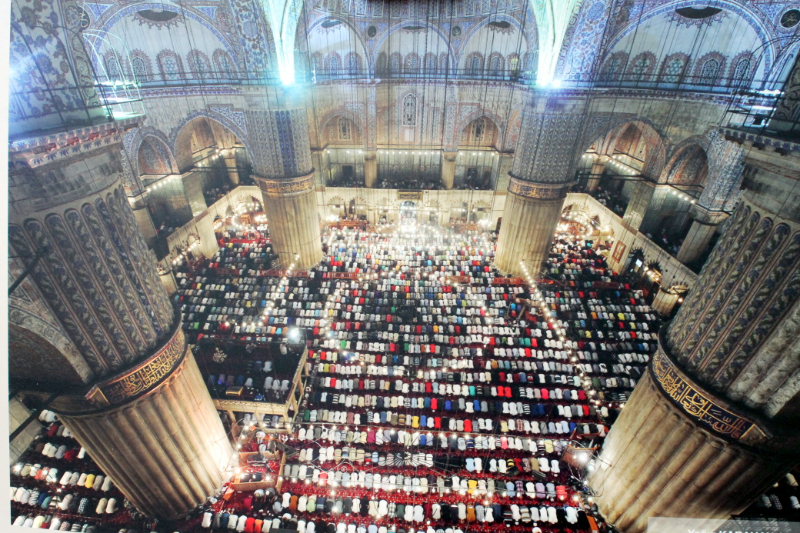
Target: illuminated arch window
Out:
[478,130]
[410,110]
[344,129]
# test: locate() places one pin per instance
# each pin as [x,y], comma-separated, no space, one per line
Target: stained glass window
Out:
[708,76]
[674,70]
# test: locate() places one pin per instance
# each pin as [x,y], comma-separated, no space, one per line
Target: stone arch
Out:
[496,122]
[234,122]
[154,157]
[687,166]
[383,36]
[361,49]
[528,32]
[117,12]
[153,136]
[610,129]
[333,116]
[750,16]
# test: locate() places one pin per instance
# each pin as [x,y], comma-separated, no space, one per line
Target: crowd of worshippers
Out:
[426,386]
[612,200]
[434,371]
[56,485]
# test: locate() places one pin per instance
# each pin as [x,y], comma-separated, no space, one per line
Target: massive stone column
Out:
[543,169]
[714,421]
[94,320]
[284,172]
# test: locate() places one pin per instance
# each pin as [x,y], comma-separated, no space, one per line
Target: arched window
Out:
[613,68]
[478,130]
[353,64]
[709,72]
[394,63]
[198,65]
[410,110]
[333,64]
[170,65]
[380,64]
[496,65]
[641,67]
[475,65]
[412,64]
[112,68]
[223,64]
[741,71]
[141,70]
[430,64]
[443,62]
[673,69]
[513,64]
[344,129]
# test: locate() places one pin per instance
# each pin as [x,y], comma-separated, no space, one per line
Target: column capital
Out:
[709,217]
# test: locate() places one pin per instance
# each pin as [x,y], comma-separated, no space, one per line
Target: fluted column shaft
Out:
[370,168]
[291,205]
[449,169]
[637,206]
[529,220]
[598,167]
[166,449]
[685,470]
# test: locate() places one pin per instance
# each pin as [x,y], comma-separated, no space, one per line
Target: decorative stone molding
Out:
[539,191]
[702,407]
[143,377]
[276,188]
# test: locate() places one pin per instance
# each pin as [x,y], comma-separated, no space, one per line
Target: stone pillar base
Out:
[678,451]
[449,169]
[291,208]
[530,217]
[156,432]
